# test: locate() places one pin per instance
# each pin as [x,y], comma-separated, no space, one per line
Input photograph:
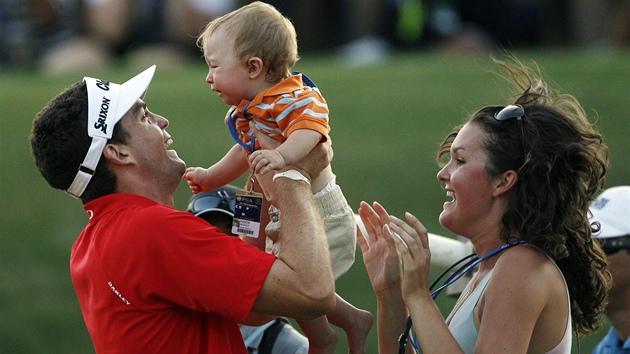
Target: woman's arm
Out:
[412,241]
[383,267]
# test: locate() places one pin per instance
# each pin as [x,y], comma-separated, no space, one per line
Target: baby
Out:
[250,53]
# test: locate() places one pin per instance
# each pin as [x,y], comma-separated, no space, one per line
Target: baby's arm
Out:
[229,168]
[297,145]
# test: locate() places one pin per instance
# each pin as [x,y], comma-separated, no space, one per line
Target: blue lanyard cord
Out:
[232,126]
[470,265]
[458,273]
[305,79]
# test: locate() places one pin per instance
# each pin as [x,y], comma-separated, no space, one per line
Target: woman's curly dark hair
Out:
[561,161]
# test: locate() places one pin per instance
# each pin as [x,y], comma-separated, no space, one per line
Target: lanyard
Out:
[232,125]
[473,262]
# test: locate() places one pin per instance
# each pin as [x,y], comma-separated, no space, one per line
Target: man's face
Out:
[148,142]
[619,267]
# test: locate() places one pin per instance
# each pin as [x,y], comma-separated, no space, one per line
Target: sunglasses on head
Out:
[509,112]
[614,245]
[221,200]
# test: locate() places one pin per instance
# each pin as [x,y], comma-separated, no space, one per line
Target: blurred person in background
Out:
[56,34]
[60,36]
[612,211]
[145,31]
[29,28]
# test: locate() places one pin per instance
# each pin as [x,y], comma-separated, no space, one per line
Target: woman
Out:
[520,179]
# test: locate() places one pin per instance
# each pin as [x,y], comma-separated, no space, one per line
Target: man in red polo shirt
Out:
[152,279]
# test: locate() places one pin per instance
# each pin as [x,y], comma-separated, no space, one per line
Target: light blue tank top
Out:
[462,323]
[463,328]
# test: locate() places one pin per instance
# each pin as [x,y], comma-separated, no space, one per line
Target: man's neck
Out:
[158,196]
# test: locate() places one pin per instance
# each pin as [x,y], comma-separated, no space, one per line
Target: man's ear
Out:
[505,182]
[255,67]
[117,154]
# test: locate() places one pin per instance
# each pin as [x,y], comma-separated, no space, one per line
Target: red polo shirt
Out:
[152,279]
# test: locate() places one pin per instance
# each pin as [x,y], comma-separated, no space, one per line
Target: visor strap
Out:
[88,167]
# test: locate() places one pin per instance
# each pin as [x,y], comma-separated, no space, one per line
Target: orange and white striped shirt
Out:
[280,110]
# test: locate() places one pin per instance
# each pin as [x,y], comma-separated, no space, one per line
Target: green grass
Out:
[387,122]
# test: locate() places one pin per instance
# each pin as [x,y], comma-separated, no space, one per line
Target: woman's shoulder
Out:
[524,253]
[528,272]
[524,263]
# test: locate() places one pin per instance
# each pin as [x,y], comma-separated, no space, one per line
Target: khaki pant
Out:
[339,224]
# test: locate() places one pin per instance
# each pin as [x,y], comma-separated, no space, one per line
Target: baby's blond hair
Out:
[259,30]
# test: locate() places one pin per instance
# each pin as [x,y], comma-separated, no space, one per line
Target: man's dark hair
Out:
[59,143]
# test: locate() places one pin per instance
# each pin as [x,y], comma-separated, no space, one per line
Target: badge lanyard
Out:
[402,341]
[232,125]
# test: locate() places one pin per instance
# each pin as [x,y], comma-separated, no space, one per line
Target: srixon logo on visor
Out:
[102,116]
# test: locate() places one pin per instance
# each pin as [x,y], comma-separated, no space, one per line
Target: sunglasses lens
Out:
[509,112]
[214,202]
[612,246]
[610,250]
[232,204]
[206,202]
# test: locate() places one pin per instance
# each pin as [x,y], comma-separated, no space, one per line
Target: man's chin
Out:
[173,155]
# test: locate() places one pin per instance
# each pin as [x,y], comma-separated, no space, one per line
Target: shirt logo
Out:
[111,286]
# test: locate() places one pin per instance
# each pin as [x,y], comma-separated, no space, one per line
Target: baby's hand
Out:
[197,179]
[263,161]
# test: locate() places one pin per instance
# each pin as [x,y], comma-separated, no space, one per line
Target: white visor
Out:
[107,104]
[612,210]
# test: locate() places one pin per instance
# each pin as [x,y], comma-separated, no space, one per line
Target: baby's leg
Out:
[354,321]
[322,338]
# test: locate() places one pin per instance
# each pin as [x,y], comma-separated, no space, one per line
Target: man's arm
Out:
[300,282]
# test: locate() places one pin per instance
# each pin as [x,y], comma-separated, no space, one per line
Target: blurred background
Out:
[58,36]
[397,75]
